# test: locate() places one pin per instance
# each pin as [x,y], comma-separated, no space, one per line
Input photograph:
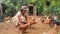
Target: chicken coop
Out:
[32,9]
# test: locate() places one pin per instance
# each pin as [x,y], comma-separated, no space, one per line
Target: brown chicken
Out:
[54,30]
[32,20]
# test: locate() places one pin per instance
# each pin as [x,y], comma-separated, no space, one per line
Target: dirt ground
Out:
[39,28]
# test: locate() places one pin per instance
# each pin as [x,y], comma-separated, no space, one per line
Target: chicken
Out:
[54,30]
[48,20]
[41,19]
[7,18]
[32,20]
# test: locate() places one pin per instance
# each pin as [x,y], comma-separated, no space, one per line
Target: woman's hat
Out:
[24,8]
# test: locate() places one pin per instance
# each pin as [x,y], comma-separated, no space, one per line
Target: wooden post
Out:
[1,9]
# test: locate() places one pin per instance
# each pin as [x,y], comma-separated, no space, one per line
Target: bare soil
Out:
[39,28]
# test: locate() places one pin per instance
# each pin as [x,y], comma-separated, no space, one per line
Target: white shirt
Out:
[15,18]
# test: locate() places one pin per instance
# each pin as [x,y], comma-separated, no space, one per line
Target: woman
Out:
[22,19]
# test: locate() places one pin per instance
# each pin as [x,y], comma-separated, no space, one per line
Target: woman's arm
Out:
[28,19]
[19,19]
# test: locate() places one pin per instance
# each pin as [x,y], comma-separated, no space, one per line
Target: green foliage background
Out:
[14,6]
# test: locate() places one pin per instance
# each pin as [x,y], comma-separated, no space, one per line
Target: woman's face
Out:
[23,11]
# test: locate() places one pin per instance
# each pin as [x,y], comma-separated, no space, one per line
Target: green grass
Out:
[59,32]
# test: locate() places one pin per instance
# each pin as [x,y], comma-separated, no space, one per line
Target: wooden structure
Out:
[32,9]
[1,9]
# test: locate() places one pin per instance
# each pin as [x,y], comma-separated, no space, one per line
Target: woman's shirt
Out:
[22,19]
